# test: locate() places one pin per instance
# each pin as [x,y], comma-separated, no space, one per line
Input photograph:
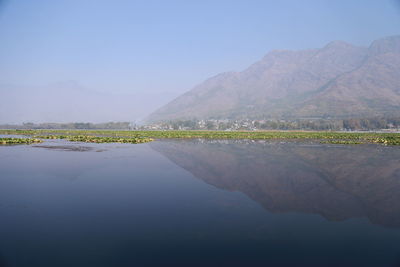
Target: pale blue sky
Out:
[134,47]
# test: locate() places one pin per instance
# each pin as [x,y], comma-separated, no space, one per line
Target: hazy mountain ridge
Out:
[69,101]
[339,80]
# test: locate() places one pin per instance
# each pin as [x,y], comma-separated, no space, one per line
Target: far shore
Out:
[135,136]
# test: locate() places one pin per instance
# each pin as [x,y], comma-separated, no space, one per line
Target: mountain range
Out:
[339,80]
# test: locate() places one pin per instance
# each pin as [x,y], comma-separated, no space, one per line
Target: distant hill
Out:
[339,80]
[69,101]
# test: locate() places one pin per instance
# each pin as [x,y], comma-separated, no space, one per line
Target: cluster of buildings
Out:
[212,124]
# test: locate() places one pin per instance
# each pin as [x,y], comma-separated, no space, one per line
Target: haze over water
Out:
[199,203]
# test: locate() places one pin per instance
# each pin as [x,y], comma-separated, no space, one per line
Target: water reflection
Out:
[338,182]
[2,261]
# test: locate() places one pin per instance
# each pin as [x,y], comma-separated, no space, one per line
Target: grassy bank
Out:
[108,136]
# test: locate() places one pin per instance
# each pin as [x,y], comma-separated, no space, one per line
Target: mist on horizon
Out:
[99,61]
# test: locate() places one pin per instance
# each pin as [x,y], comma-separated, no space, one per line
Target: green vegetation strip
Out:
[19,141]
[96,139]
[108,136]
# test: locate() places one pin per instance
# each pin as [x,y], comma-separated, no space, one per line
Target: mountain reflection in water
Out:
[336,181]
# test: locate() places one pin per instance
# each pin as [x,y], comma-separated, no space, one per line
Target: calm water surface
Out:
[199,203]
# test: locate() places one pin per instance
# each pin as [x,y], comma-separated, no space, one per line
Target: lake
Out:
[199,203]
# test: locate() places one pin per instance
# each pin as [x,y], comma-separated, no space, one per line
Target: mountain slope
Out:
[338,80]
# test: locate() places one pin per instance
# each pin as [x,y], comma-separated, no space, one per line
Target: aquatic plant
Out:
[18,141]
[97,139]
[342,142]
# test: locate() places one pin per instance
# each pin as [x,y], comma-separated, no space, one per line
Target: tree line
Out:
[353,124]
[362,124]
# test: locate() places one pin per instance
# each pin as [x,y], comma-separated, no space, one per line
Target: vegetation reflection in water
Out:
[108,136]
